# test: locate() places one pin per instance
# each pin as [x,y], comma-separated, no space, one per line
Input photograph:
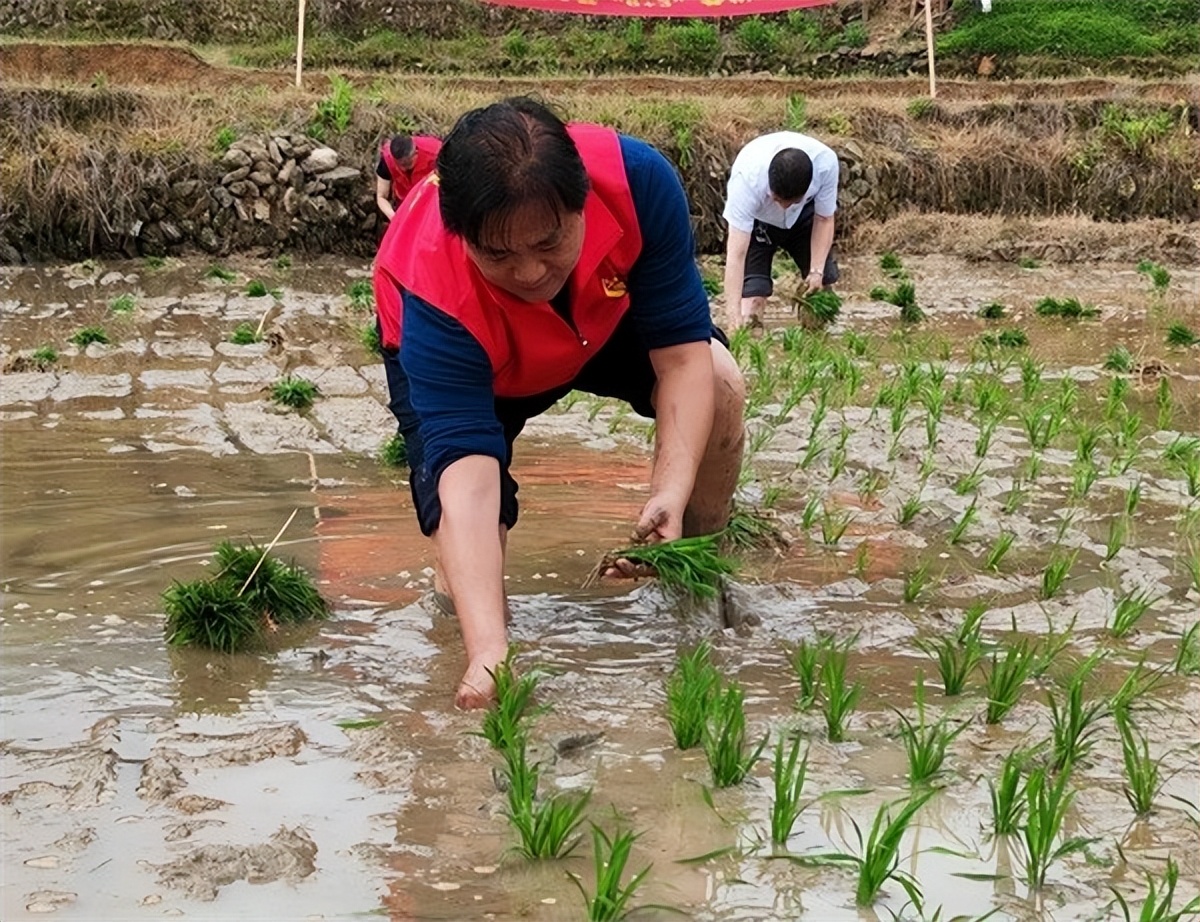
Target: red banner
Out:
[684,9]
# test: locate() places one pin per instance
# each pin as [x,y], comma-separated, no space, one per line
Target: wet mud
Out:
[330,778]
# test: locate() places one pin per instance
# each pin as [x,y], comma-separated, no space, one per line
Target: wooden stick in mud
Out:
[262,323]
[267,550]
[929,48]
[300,43]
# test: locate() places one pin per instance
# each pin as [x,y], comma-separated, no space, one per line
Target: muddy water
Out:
[142,782]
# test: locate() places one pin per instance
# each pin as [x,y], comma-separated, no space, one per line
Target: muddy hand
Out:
[477,688]
[623,568]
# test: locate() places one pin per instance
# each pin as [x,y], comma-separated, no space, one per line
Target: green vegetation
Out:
[1143,780]
[245,334]
[725,738]
[1008,794]
[1048,802]
[1128,611]
[1158,275]
[1073,721]
[925,744]
[294,392]
[994,310]
[333,113]
[248,593]
[788,774]
[904,296]
[693,567]
[611,901]
[220,273]
[224,140]
[1007,678]
[124,304]
[1159,903]
[504,724]
[88,335]
[256,288]
[547,828]
[820,307]
[1085,29]
[839,699]
[394,452]
[691,690]
[1119,359]
[368,335]
[362,295]
[1070,308]
[880,858]
[1179,334]
[43,357]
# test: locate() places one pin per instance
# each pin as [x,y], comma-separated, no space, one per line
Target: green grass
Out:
[612,900]
[368,335]
[806,661]
[1159,902]
[504,724]
[834,525]
[547,828]
[1007,677]
[362,295]
[43,357]
[963,523]
[1118,528]
[245,334]
[1070,308]
[1077,29]
[1179,334]
[788,773]
[220,273]
[1119,359]
[1158,275]
[1048,802]
[394,452]
[124,304]
[909,509]
[1129,610]
[992,311]
[890,263]
[1187,655]
[729,760]
[294,392]
[926,743]
[88,335]
[691,690]
[256,289]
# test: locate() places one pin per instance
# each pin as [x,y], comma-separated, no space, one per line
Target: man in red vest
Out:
[541,258]
[404,161]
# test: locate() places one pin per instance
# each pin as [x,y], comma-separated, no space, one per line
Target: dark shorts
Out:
[796,241]
[621,369]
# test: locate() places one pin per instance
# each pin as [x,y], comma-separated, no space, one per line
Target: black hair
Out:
[402,146]
[502,156]
[790,174]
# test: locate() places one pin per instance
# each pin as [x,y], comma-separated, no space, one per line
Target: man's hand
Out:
[661,520]
[815,280]
[477,688]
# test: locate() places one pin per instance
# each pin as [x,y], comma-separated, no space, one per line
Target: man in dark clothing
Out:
[542,258]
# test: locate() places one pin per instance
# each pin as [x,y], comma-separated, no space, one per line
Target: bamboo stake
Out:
[274,541]
[928,47]
[300,43]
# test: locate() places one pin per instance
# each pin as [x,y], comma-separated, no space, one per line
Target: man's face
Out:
[784,203]
[407,163]
[531,252]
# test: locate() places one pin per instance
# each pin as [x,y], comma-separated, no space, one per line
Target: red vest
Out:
[427,151]
[531,348]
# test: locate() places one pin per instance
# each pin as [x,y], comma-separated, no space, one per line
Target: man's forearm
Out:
[821,243]
[735,273]
[470,553]
[386,207]
[684,412]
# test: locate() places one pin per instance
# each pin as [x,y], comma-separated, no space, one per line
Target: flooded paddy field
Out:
[331,778]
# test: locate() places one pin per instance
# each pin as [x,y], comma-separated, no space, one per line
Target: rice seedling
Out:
[1033,467]
[547,828]
[220,273]
[879,860]
[1138,683]
[394,452]
[1048,802]
[504,724]
[1003,544]
[1036,422]
[1118,528]
[806,660]
[819,308]
[256,288]
[916,581]
[993,310]
[870,484]
[1143,781]
[1119,359]
[1007,677]
[283,261]
[983,442]
[725,739]
[297,393]
[210,614]
[815,448]
[244,334]
[928,466]
[1083,476]
[925,744]
[1191,472]
[834,525]
[971,629]
[788,773]
[1087,438]
[1052,646]
[955,661]
[87,335]
[1180,449]
[1073,721]
[1187,656]
[362,295]
[1008,794]
[1162,399]
[1031,378]
[1055,573]
[1179,334]
[1114,399]
[611,901]
[812,508]
[1016,496]
[1159,904]
[964,522]
[123,304]
[856,343]
[282,593]
[1158,275]
[839,700]
[1129,610]
[1070,308]
[693,567]
[691,690]
[991,398]
[909,509]
[750,529]
[1013,338]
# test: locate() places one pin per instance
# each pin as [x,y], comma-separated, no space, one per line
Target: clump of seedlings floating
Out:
[692,567]
[249,594]
[88,335]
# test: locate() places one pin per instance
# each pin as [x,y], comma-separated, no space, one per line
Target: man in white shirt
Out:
[782,192]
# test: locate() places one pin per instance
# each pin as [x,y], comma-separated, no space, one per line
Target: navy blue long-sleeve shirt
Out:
[448,372]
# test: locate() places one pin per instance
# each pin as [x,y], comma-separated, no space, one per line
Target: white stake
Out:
[300,44]
[274,541]
[928,47]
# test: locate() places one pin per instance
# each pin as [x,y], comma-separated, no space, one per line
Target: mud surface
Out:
[332,779]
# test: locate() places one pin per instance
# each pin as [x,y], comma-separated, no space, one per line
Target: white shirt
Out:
[748,195]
